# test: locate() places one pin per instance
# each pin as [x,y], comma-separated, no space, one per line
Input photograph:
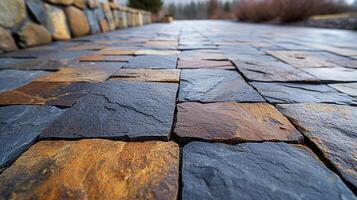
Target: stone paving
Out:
[188,110]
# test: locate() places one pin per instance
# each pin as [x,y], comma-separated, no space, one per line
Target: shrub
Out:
[285,10]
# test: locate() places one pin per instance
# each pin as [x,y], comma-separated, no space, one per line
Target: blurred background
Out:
[323,13]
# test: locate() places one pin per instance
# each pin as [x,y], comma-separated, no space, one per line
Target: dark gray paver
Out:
[301,93]
[208,85]
[119,109]
[257,171]
[20,126]
[11,79]
[333,129]
[152,61]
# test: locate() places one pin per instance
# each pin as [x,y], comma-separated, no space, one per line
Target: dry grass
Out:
[285,10]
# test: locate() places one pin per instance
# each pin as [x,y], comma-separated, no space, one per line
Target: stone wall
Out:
[27,23]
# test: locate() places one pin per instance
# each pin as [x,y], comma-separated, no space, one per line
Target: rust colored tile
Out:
[94,169]
[45,93]
[148,75]
[232,122]
[80,74]
[204,64]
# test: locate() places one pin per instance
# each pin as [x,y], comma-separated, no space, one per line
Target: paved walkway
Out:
[189,110]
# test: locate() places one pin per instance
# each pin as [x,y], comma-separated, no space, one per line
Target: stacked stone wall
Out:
[28,23]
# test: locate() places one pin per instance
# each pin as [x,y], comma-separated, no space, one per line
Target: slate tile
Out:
[119,109]
[337,74]
[207,85]
[156,52]
[202,55]
[148,75]
[116,52]
[20,126]
[103,58]
[94,169]
[46,93]
[34,64]
[233,122]
[301,93]
[301,59]
[272,71]
[257,171]
[347,88]
[80,74]
[152,61]
[204,64]
[332,128]
[11,79]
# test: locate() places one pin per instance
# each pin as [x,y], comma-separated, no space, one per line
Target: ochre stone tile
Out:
[232,122]
[94,169]
[148,75]
[80,74]
[204,64]
[45,93]
[332,128]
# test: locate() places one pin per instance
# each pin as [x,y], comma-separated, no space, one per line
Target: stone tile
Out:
[117,52]
[301,59]
[257,171]
[156,52]
[347,88]
[346,63]
[202,55]
[301,93]
[103,58]
[11,79]
[233,122]
[332,128]
[20,126]
[339,74]
[152,61]
[33,64]
[204,64]
[63,94]
[272,71]
[80,74]
[148,75]
[207,85]
[147,111]
[94,169]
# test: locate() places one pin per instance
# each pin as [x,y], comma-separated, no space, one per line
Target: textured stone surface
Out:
[207,85]
[204,64]
[232,122]
[20,126]
[257,171]
[92,4]
[37,9]
[33,64]
[63,94]
[301,59]
[102,58]
[82,4]
[61,2]
[11,79]
[272,71]
[347,88]
[80,74]
[94,169]
[117,52]
[332,128]
[108,15]
[32,34]
[156,52]
[333,74]
[202,55]
[153,61]
[301,93]
[56,23]
[7,41]
[12,12]
[148,75]
[147,111]
[77,21]
[93,21]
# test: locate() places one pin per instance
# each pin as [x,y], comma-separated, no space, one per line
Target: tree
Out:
[150,5]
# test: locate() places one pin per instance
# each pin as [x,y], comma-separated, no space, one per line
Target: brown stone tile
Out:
[148,75]
[80,74]
[45,93]
[204,64]
[103,58]
[116,52]
[94,169]
[232,122]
